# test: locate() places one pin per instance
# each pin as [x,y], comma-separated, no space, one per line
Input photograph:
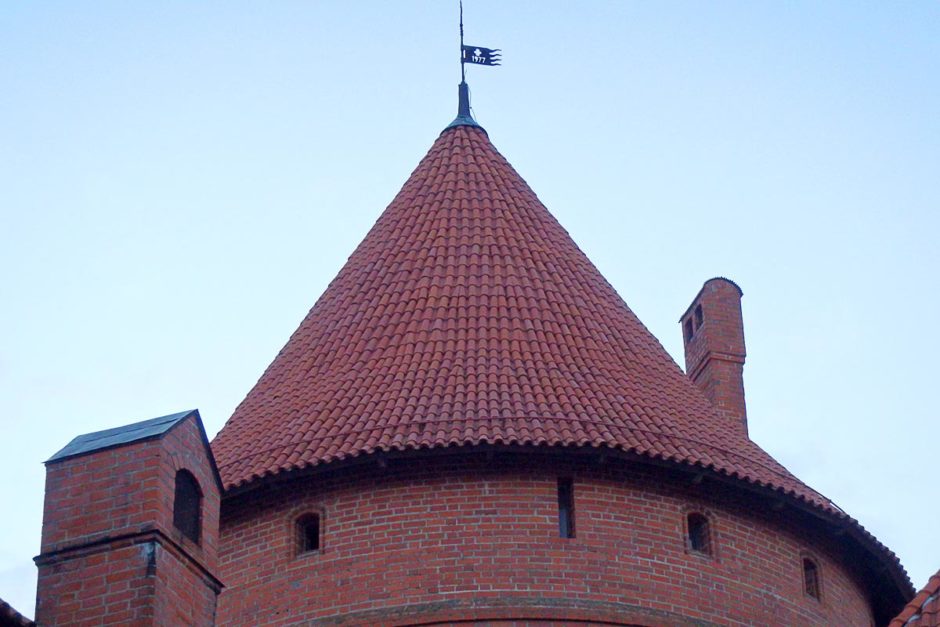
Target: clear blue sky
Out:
[179,181]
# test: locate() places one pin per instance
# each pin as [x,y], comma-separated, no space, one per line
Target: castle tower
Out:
[130,527]
[471,425]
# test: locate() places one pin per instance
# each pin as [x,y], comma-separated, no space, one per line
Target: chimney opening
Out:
[566,508]
[687,328]
[699,316]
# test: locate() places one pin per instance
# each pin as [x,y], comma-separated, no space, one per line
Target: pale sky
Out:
[179,181]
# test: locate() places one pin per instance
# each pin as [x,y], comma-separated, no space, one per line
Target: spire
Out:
[464,117]
[476,55]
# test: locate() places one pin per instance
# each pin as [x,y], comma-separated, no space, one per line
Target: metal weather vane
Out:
[477,55]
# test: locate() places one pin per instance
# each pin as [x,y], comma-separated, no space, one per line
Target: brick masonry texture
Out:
[110,553]
[475,537]
[715,353]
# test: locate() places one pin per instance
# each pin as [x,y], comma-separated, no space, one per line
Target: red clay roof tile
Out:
[924,608]
[468,315]
[10,617]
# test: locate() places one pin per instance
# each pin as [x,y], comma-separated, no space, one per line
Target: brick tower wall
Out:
[472,538]
[110,552]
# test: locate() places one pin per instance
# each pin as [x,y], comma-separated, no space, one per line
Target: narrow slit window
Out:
[810,578]
[699,530]
[699,316]
[308,530]
[187,501]
[688,329]
[566,508]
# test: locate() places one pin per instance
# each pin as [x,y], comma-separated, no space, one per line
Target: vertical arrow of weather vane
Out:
[475,54]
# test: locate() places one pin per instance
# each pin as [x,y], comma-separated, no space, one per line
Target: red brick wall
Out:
[134,582]
[183,449]
[714,355]
[466,538]
[110,551]
[182,594]
[111,492]
[104,588]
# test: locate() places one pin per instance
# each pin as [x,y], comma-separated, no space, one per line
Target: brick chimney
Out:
[713,334]
[130,528]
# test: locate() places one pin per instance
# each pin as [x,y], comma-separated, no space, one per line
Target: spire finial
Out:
[470,54]
[463,100]
[464,117]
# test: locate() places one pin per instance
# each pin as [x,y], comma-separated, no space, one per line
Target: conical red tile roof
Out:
[468,315]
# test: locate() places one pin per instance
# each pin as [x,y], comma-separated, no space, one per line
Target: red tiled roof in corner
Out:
[924,608]
[9,617]
[468,315]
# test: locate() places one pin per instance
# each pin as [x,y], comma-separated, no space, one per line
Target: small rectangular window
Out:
[699,531]
[810,578]
[308,527]
[566,508]
[687,327]
[699,317]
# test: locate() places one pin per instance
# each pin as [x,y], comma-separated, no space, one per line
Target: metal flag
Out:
[479,55]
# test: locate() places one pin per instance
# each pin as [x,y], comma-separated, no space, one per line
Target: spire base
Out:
[464,117]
